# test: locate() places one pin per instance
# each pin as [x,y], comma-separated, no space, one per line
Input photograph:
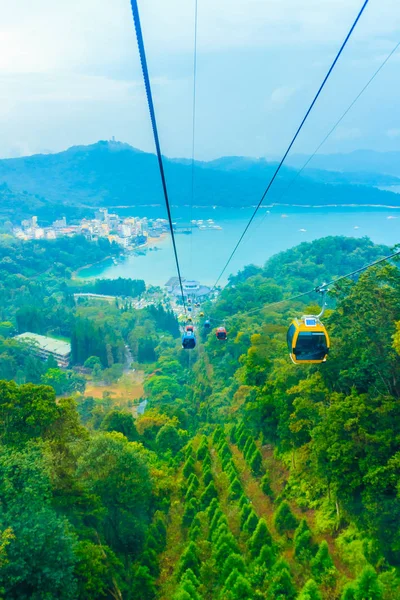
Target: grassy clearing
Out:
[125,391]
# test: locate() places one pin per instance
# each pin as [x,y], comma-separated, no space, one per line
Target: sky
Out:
[70,75]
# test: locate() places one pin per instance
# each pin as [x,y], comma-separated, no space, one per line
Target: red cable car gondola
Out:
[221,333]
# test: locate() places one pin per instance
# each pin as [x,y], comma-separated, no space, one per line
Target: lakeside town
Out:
[127,232]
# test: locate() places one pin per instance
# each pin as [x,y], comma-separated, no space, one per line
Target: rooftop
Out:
[46,343]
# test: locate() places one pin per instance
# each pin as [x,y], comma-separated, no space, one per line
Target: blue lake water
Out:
[203,254]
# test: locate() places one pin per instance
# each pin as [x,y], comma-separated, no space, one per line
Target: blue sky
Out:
[70,74]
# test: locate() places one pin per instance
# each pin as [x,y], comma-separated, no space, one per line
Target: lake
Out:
[203,254]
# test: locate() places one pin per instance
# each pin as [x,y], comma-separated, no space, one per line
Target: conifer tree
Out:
[303,546]
[349,592]
[242,440]
[266,557]
[189,560]
[251,522]
[244,514]
[207,496]
[242,589]
[143,584]
[310,591]
[191,510]
[281,586]
[188,467]
[284,519]
[212,508]
[235,489]
[202,449]
[322,566]
[265,485]
[207,477]
[261,537]
[234,561]
[255,462]
[368,586]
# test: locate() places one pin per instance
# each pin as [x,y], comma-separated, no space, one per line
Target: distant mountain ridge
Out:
[371,161]
[114,174]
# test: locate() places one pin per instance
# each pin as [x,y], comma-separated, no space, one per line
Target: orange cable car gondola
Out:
[221,333]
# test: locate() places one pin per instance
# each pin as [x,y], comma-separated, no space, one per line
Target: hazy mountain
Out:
[115,174]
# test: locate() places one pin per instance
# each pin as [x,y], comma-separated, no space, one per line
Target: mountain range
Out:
[114,174]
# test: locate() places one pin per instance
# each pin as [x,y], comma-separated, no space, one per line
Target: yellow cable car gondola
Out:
[307,339]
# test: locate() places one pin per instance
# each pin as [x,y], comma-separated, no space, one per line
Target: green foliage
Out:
[322,566]
[281,586]
[284,519]
[310,591]
[233,561]
[121,422]
[202,449]
[255,462]
[143,584]
[265,485]
[235,489]
[368,586]
[251,522]
[303,546]
[266,557]
[191,509]
[168,438]
[188,467]
[261,537]
[189,560]
[207,496]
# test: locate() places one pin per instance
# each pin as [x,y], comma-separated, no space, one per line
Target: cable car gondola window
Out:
[311,346]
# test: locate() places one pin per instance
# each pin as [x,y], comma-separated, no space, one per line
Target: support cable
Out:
[317,149]
[146,78]
[318,289]
[293,139]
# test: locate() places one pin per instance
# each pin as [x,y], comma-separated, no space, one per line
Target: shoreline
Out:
[150,241]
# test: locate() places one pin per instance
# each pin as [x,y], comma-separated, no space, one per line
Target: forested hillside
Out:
[116,174]
[246,477]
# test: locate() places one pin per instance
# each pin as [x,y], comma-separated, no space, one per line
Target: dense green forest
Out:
[245,478]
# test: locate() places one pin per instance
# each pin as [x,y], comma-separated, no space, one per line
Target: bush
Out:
[284,519]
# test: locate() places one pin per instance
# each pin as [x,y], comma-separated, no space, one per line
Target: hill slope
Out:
[115,174]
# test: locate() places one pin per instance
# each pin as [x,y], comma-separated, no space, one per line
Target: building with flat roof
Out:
[191,289]
[44,346]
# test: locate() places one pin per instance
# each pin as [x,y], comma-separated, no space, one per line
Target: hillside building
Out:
[44,346]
